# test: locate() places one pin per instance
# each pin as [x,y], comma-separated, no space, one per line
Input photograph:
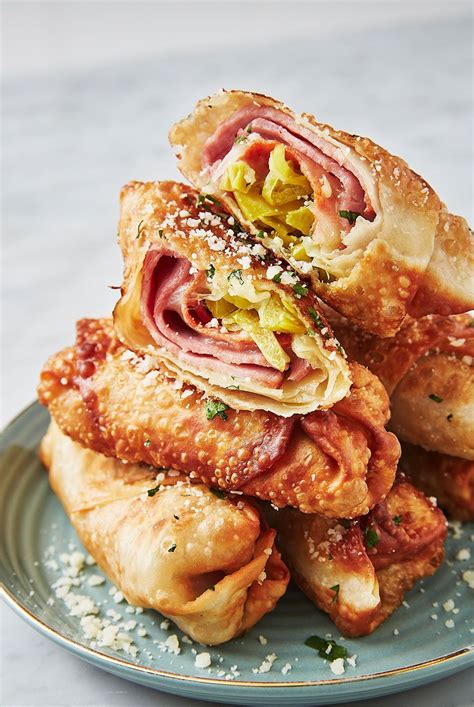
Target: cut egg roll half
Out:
[372,236]
[217,310]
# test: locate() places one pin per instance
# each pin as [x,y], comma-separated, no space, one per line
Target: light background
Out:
[89,90]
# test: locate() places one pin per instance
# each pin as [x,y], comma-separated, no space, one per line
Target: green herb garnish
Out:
[210,272]
[216,408]
[277,277]
[238,275]
[335,589]
[218,493]
[172,547]
[329,650]
[260,234]
[345,522]
[316,318]
[147,443]
[202,198]
[371,537]
[397,520]
[351,216]
[151,492]
[435,398]
[160,232]
[300,289]
[244,135]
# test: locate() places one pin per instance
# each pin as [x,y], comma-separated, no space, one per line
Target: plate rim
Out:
[460,658]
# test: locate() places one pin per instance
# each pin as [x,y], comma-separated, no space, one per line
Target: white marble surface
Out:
[89,91]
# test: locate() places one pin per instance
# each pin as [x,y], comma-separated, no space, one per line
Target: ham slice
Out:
[174,317]
[272,124]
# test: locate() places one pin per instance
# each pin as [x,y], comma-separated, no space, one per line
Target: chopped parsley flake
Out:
[244,135]
[237,274]
[216,408]
[327,649]
[147,443]
[435,398]
[210,272]
[160,232]
[371,537]
[172,547]
[300,289]
[316,318]
[397,520]
[218,493]
[202,198]
[345,522]
[351,216]
[260,234]
[151,492]
[335,589]
[277,277]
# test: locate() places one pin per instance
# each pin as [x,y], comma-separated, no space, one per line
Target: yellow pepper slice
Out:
[281,168]
[239,176]
[301,219]
[265,339]
[275,316]
[220,308]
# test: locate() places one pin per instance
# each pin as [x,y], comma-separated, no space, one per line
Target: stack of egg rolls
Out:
[229,401]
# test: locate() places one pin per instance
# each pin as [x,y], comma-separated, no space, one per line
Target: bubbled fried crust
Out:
[119,404]
[449,479]
[224,573]
[371,578]
[427,369]
[408,266]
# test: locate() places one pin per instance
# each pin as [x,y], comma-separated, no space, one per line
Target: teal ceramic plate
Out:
[415,646]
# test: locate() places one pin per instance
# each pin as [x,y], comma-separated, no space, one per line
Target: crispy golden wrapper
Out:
[208,563]
[181,257]
[358,573]
[339,462]
[380,235]
[428,371]
[449,479]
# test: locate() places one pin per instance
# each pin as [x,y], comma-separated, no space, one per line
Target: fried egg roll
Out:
[338,462]
[218,310]
[449,479]
[358,572]
[428,371]
[371,235]
[207,562]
